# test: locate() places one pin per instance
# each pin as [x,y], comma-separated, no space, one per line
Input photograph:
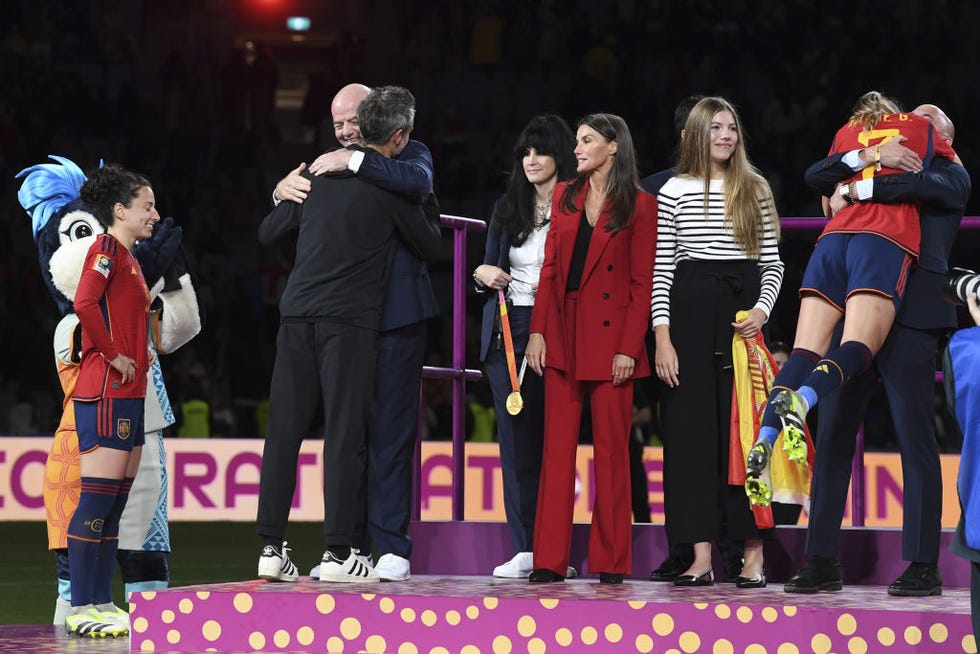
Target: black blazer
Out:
[942,191]
[348,229]
[497,254]
[409,297]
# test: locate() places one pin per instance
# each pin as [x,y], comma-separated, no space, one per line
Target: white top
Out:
[525,267]
[685,233]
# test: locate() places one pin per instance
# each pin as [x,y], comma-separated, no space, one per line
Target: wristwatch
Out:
[845,192]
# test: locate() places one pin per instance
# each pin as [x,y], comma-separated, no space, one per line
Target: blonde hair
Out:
[870,109]
[744,189]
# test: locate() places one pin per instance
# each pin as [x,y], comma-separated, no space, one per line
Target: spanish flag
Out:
[755,371]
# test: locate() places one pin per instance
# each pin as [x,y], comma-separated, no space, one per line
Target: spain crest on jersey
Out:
[102,265]
[122,428]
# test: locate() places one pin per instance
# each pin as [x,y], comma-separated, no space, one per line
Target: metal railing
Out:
[458,373]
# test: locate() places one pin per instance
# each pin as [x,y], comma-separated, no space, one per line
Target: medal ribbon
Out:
[508,341]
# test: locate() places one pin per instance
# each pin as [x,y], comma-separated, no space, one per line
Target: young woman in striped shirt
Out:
[716,254]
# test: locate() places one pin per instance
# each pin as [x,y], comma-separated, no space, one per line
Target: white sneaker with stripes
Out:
[275,564]
[363,558]
[351,570]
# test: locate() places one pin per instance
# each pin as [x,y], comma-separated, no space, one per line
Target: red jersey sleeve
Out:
[100,265]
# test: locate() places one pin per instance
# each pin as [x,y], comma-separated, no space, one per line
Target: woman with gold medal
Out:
[509,277]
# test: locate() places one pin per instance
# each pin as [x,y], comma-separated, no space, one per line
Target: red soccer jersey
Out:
[113,306]
[898,223]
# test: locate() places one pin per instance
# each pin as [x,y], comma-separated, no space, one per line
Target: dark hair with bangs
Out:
[551,136]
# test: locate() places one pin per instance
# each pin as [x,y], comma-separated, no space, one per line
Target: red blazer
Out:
[614,294]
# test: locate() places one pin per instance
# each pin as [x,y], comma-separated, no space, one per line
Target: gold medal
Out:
[514,403]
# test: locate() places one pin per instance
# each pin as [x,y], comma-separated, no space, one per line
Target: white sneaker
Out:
[350,570]
[392,567]
[276,566]
[363,558]
[518,567]
[88,621]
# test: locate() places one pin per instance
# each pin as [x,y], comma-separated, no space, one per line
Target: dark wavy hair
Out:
[108,185]
[623,183]
[549,135]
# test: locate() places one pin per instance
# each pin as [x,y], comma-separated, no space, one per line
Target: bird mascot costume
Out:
[64,228]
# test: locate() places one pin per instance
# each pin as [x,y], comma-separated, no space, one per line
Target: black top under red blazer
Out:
[614,294]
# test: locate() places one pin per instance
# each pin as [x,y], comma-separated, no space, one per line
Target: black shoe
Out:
[670,569]
[544,576]
[820,573]
[918,580]
[610,578]
[707,579]
[751,582]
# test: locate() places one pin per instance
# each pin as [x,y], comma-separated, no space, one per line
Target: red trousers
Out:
[610,539]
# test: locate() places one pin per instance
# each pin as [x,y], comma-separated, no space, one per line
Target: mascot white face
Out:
[77,230]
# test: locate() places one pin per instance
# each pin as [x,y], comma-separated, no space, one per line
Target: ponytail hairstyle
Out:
[623,182]
[107,186]
[747,194]
[870,109]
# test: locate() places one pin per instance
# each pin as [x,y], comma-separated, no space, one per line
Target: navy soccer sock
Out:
[791,375]
[849,360]
[102,577]
[85,535]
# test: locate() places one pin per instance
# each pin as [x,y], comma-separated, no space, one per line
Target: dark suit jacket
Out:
[497,253]
[347,233]
[942,191]
[614,293]
[653,183]
[409,297]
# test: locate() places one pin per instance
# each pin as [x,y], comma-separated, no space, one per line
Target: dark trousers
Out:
[392,433]
[521,437]
[699,503]
[334,362]
[907,365]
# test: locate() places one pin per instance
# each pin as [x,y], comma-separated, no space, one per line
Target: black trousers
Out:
[336,363]
[907,365]
[521,437]
[699,504]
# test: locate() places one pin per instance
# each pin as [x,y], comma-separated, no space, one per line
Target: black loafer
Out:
[670,569]
[821,573]
[918,580]
[544,576]
[706,579]
[750,582]
[610,578]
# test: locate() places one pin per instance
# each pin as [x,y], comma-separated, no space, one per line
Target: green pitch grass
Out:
[203,553]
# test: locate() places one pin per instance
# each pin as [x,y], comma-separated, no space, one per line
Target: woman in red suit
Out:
[587,335]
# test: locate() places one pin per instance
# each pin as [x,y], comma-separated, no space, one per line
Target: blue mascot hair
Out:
[47,188]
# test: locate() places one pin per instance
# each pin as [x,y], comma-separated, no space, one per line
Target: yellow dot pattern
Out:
[526,626]
[190,621]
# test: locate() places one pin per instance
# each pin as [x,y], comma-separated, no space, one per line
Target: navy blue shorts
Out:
[844,264]
[110,422]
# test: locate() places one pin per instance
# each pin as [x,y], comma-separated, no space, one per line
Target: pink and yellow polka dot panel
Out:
[478,615]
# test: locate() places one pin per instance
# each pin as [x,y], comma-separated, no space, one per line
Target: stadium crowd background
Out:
[170,88]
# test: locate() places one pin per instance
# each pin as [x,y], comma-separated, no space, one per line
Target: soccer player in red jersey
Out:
[858,271]
[113,305]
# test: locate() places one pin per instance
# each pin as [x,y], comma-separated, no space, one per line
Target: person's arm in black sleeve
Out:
[943,185]
[824,175]
[281,220]
[419,229]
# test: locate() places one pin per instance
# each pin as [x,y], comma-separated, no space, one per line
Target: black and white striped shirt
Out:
[685,233]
